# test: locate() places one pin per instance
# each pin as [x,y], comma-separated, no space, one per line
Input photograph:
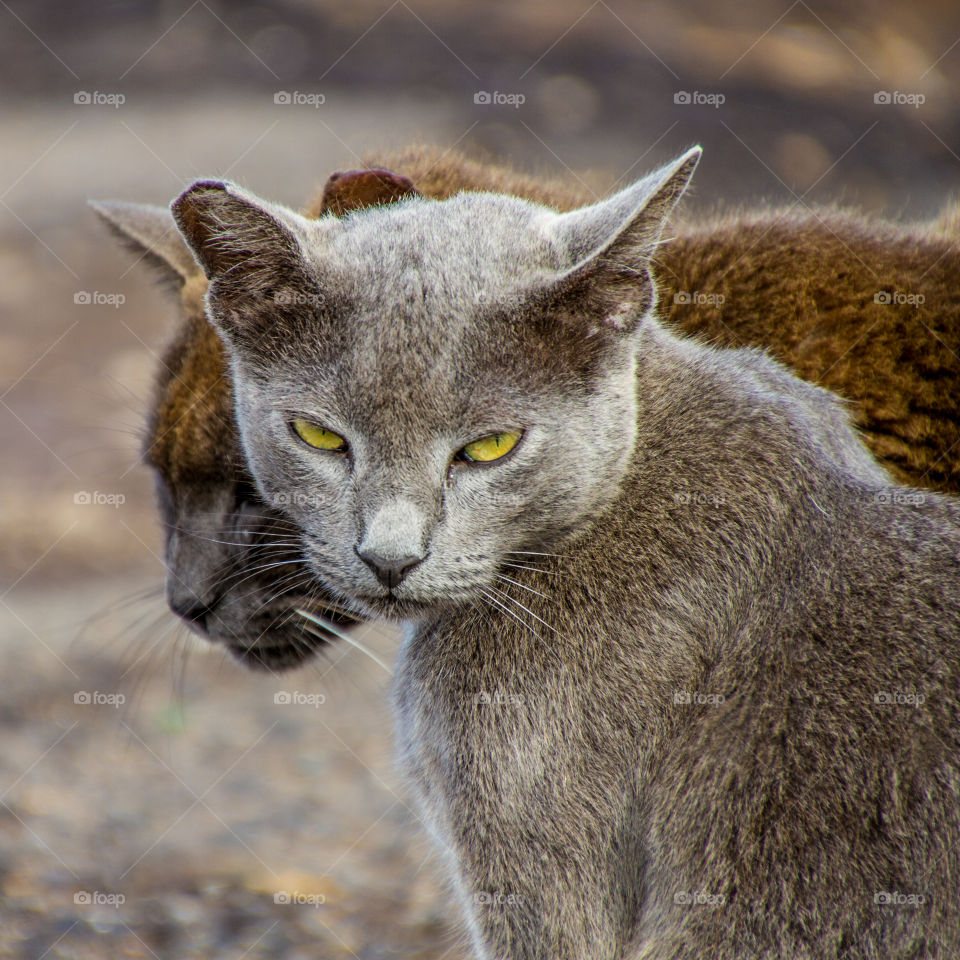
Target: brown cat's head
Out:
[234,573]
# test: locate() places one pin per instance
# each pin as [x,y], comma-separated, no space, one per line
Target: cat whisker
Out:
[522,586]
[520,566]
[510,613]
[330,628]
[537,553]
[523,606]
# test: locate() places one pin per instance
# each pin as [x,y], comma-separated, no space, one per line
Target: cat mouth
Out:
[279,636]
[393,607]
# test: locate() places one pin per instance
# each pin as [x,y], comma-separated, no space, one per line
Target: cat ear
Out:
[356,189]
[234,234]
[151,232]
[609,244]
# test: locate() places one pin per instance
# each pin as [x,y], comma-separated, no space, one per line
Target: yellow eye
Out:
[317,436]
[489,448]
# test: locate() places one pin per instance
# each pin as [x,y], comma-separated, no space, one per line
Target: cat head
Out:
[233,567]
[429,388]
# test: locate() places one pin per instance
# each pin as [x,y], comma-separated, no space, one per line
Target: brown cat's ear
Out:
[608,247]
[232,233]
[356,189]
[152,233]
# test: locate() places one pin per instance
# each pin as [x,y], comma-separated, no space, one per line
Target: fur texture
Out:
[681,670]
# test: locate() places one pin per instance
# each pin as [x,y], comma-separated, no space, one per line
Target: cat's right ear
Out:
[152,233]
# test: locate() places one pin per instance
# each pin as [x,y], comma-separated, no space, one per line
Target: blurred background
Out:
[154,799]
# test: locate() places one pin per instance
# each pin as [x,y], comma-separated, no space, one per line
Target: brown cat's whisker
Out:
[341,635]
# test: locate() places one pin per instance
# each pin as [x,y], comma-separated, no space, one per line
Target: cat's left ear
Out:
[608,245]
[253,253]
[231,232]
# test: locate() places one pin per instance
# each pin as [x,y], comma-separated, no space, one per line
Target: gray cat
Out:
[681,668]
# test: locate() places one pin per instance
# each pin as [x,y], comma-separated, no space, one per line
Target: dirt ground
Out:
[173,824]
[167,806]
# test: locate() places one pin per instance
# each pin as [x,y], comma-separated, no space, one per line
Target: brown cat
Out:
[866,308]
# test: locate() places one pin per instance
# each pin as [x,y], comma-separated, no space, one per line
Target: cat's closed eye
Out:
[489,448]
[314,435]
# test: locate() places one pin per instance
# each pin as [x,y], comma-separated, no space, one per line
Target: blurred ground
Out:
[794,102]
[166,813]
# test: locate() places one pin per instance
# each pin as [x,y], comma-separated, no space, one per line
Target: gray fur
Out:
[680,674]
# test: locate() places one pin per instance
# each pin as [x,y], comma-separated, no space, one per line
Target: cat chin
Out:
[274,657]
[278,638]
[401,608]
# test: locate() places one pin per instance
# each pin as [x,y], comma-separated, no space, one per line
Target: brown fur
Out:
[192,414]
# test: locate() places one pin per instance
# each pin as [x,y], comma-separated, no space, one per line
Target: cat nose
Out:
[391,572]
[191,610]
